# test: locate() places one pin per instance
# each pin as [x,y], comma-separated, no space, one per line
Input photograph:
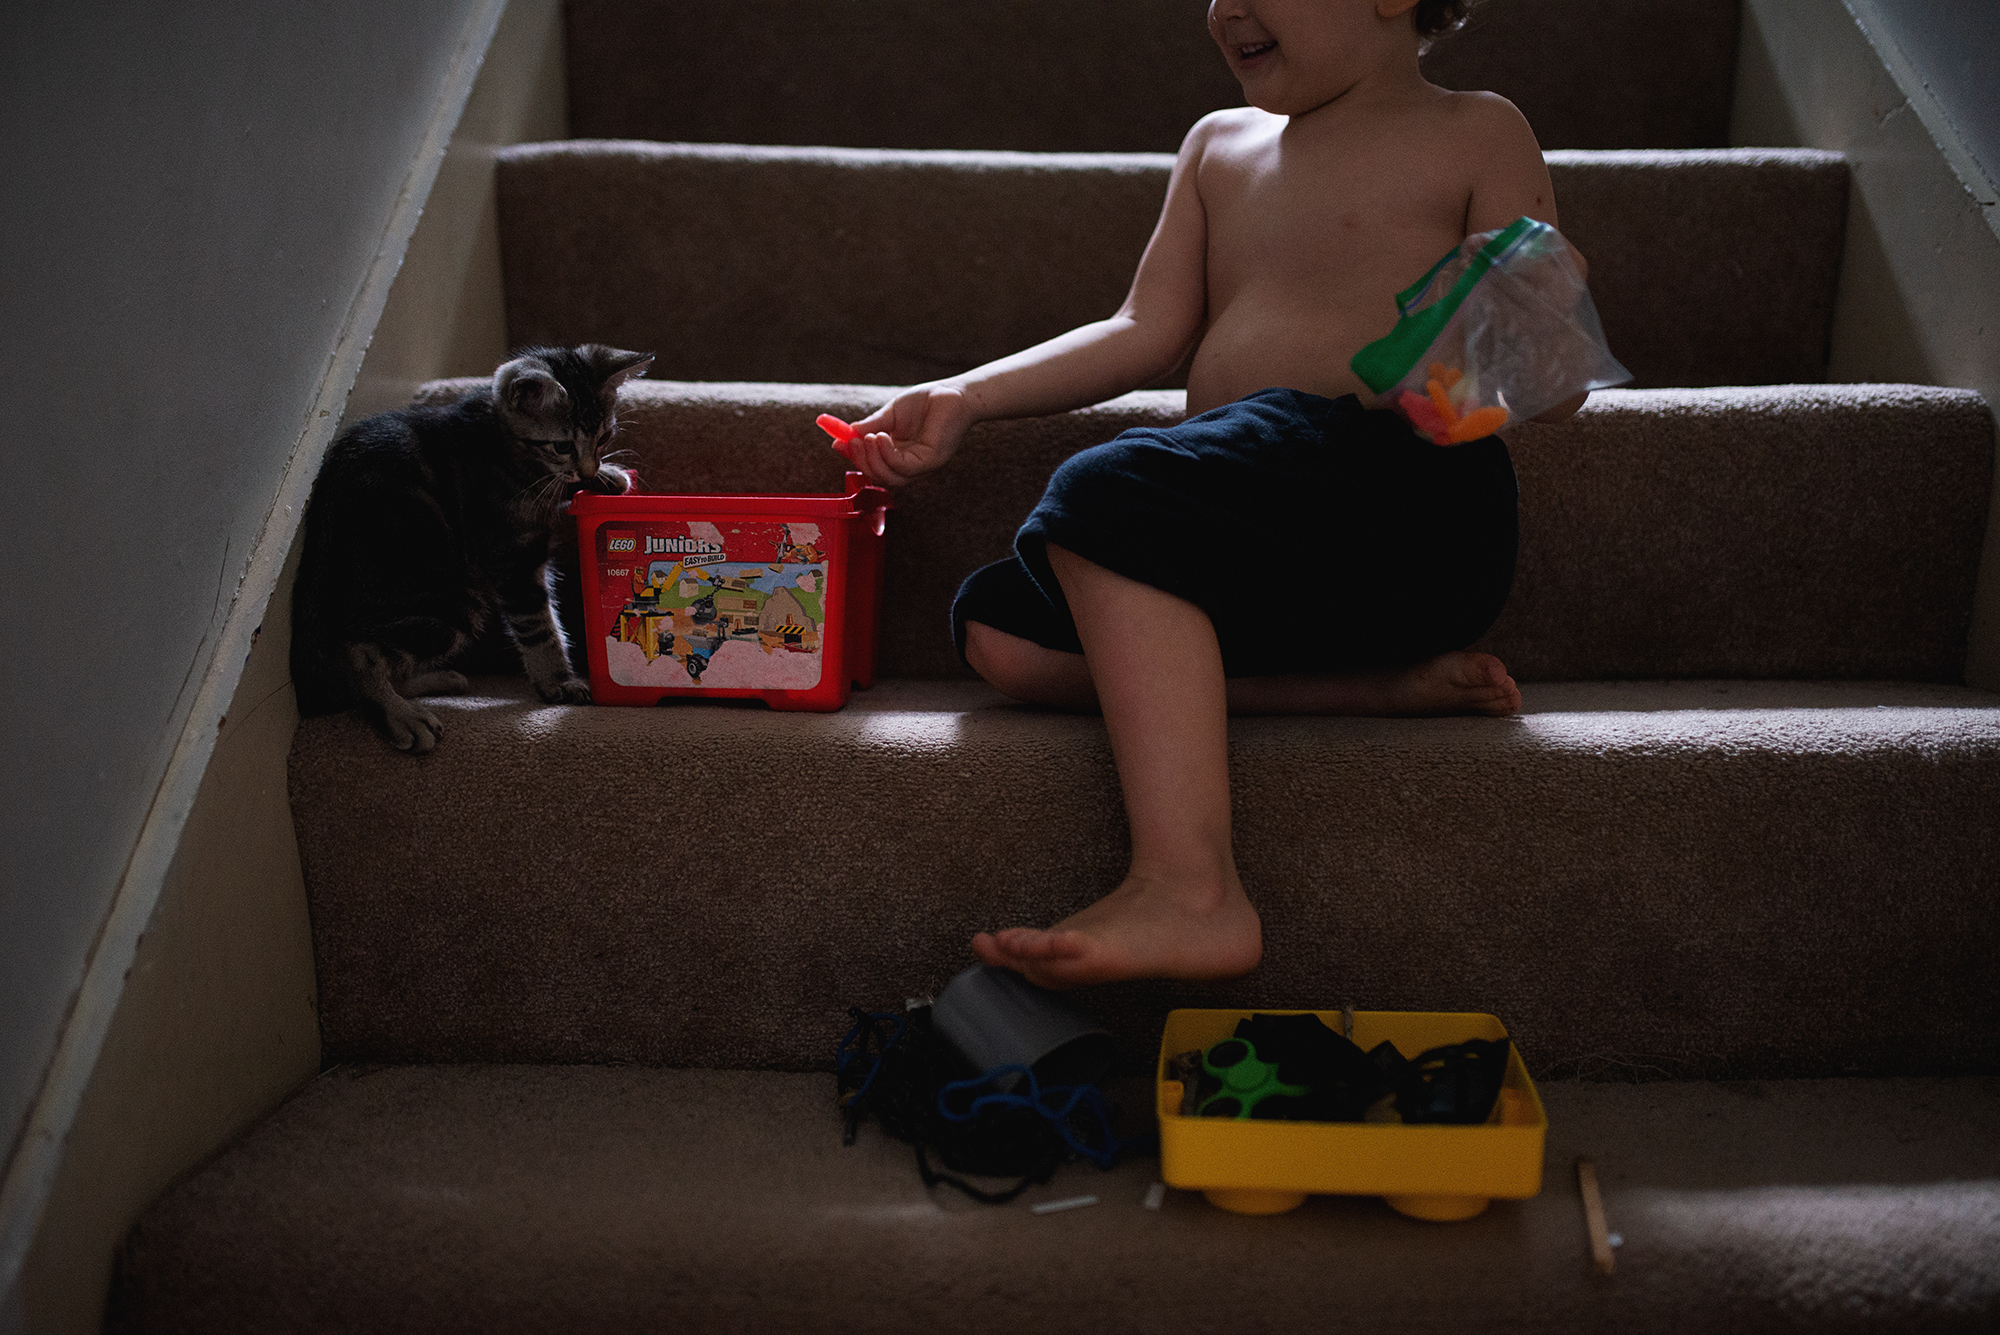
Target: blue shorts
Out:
[1318,536]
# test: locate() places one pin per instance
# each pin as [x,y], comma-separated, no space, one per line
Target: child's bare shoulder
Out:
[1483,121]
[1229,129]
[1461,129]
[1488,143]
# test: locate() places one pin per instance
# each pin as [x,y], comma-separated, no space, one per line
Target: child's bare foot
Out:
[1143,929]
[1454,683]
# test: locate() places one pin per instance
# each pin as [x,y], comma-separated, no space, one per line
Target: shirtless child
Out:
[1289,226]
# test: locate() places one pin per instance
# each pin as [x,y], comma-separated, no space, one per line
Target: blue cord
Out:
[1041,1101]
[845,1054]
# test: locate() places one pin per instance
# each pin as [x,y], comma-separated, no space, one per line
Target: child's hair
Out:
[1435,18]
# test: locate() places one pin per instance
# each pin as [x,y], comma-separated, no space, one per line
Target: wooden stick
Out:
[1593,1216]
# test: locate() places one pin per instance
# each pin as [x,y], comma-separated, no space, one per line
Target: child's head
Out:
[1292,56]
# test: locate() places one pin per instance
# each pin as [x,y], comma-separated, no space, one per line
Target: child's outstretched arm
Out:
[1512,180]
[920,429]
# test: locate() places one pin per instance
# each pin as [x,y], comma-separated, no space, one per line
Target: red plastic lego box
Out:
[716,597]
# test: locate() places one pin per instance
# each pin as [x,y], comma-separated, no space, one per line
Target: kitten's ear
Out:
[526,387]
[616,366]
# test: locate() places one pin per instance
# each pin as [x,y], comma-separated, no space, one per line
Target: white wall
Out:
[214,1022]
[447,312]
[1920,270]
[195,198]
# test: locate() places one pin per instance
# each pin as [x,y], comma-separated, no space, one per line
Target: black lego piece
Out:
[1455,1084]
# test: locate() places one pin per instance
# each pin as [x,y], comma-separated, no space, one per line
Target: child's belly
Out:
[1257,345]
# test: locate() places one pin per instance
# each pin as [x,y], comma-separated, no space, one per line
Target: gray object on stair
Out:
[998,1018]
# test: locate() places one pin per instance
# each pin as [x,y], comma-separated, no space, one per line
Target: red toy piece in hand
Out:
[843,434]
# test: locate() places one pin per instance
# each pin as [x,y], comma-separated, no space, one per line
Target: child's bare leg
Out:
[1454,683]
[1181,911]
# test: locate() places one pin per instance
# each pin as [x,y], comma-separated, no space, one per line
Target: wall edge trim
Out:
[31,1173]
[1942,129]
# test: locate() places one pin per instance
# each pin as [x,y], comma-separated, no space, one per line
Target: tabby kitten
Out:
[428,523]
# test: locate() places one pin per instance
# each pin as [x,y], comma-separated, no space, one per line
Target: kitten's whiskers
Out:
[542,497]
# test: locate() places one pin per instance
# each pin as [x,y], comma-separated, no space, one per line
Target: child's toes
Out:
[1008,949]
[1033,943]
[1065,945]
[1023,943]
[1482,670]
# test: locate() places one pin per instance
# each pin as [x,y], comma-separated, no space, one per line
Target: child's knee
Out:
[1020,668]
[995,655]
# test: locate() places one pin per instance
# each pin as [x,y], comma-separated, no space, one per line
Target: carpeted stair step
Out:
[1111,75]
[1699,879]
[1759,532]
[893,266]
[502,1199]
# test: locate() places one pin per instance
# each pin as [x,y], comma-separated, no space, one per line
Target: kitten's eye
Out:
[564,446]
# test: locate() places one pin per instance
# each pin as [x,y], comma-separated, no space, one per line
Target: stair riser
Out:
[1111,75]
[890,268]
[1704,534]
[714,886]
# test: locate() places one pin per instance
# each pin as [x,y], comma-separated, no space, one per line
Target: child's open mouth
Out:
[1248,51]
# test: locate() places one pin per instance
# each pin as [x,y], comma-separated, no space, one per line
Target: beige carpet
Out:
[1678,879]
[1709,268]
[502,1199]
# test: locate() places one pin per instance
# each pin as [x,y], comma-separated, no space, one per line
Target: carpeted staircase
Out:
[1730,878]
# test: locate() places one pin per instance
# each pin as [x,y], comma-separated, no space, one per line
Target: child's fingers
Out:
[876,455]
[865,453]
[858,455]
[873,422]
[882,419]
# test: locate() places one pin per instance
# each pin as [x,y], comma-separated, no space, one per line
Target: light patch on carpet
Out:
[1768,730]
[906,732]
[881,1213]
[1822,1249]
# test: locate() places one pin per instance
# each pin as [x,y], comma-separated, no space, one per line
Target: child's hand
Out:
[914,433]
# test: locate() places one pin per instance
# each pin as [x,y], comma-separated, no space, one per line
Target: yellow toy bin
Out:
[1430,1172]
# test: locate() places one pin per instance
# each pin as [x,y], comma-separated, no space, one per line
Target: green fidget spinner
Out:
[1246,1080]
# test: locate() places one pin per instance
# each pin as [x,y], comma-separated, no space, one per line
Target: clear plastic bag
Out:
[1500,330]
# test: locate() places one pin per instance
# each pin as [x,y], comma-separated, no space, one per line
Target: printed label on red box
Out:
[694,603]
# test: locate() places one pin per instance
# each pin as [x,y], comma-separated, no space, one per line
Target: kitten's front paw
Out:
[434,683]
[412,729]
[574,691]
[612,480]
